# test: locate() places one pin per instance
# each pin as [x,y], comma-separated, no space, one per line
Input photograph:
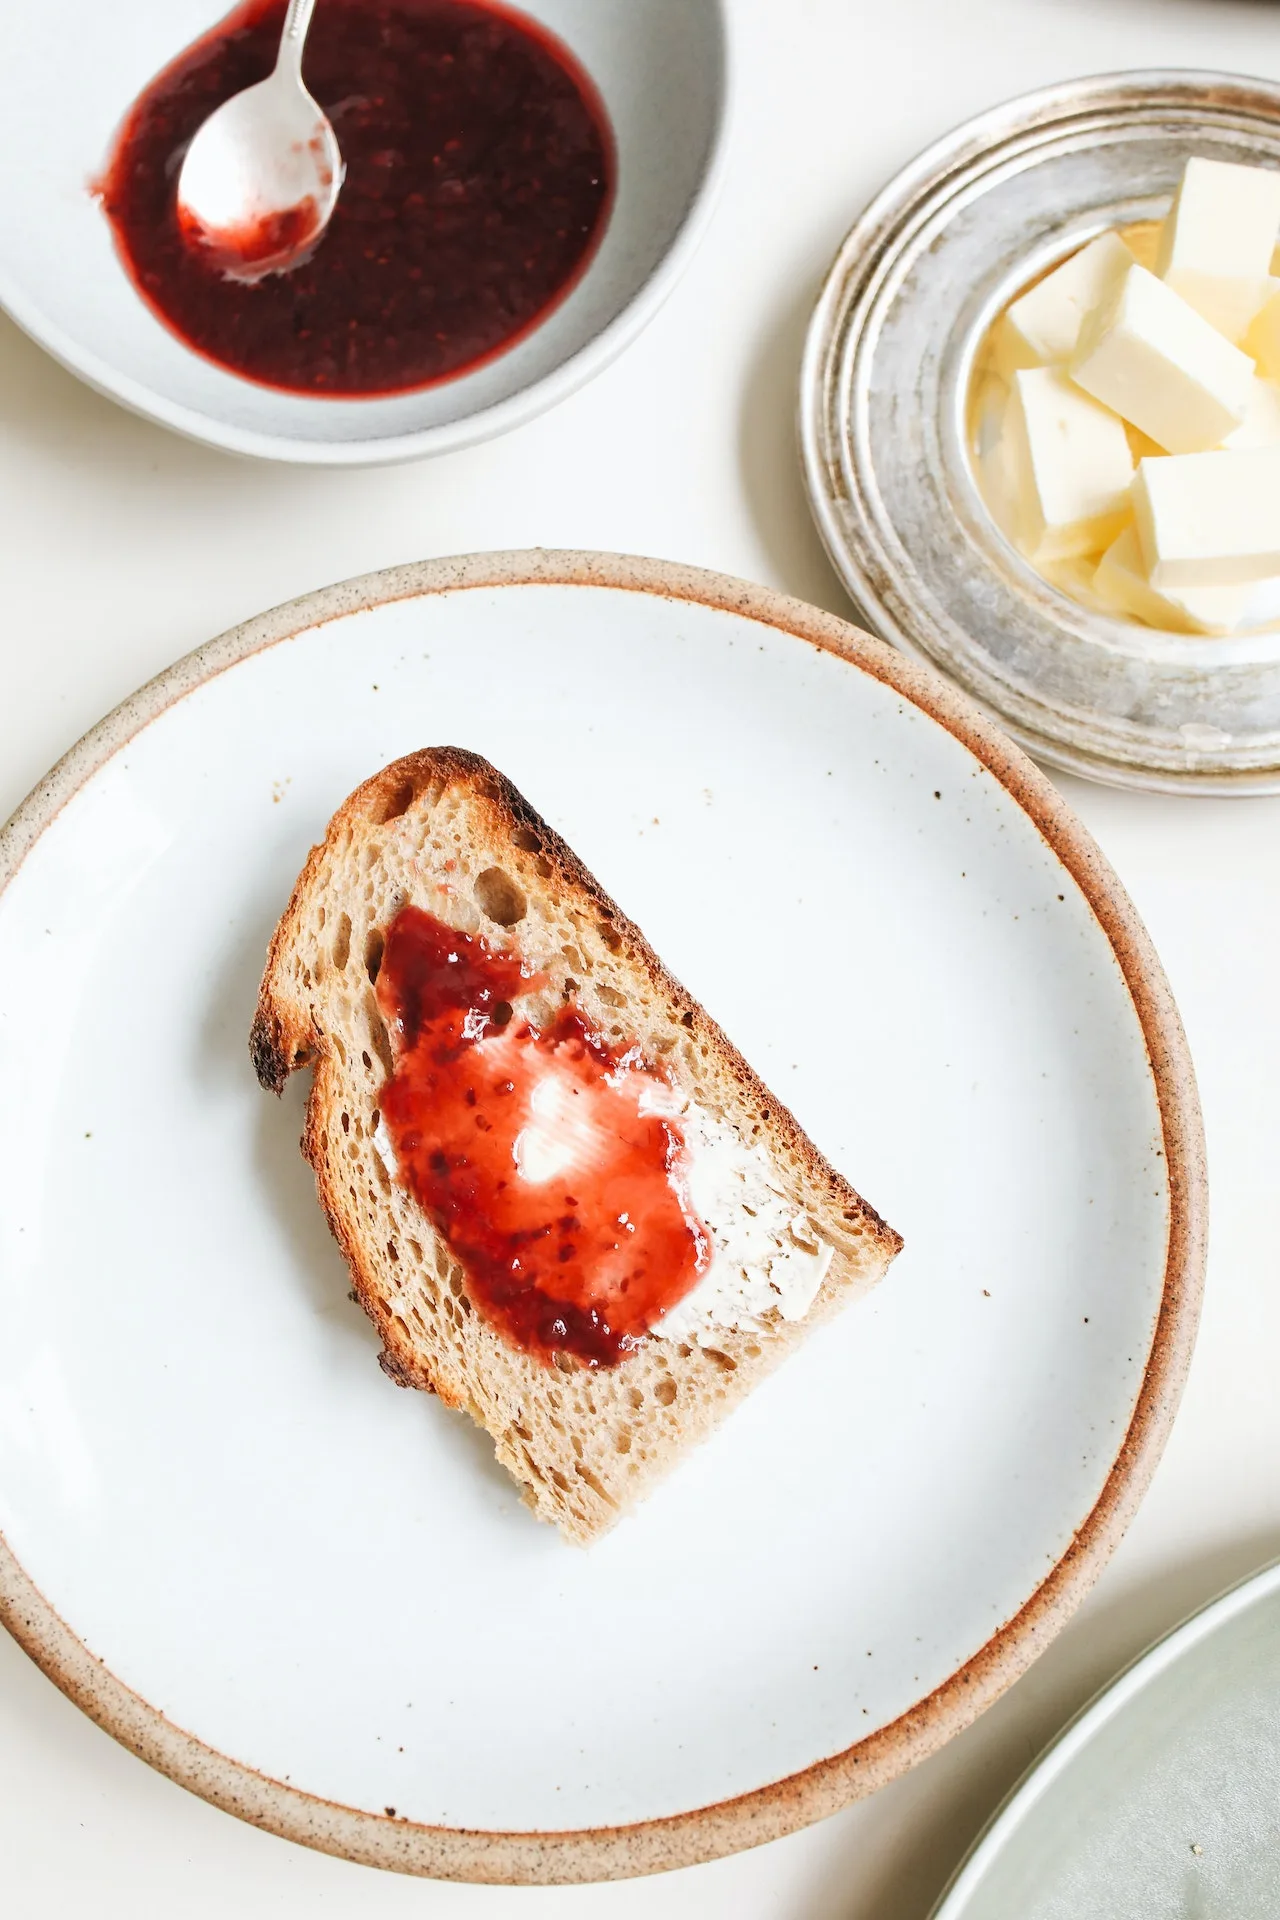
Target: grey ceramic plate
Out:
[1162,1801]
[882,421]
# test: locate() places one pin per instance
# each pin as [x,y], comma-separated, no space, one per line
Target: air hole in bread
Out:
[382,1045]
[722,1360]
[611,996]
[622,1442]
[574,958]
[342,942]
[686,1018]
[585,1473]
[665,1392]
[393,1252]
[611,937]
[500,897]
[501,1014]
[346,1123]
[373,949]
[397,800]
[526,839]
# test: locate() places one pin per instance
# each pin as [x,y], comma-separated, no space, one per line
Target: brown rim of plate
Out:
[766,1813]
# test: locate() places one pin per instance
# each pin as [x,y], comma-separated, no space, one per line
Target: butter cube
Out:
[1158,363]
[1209,519]
[1043,326]
[1121,581]
[1263,338]
[1218,242]
[1224,222]
[1072,465]
[1261,424]
[1229,305]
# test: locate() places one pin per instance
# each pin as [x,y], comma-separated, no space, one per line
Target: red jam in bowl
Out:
[534,1150]
[479,171]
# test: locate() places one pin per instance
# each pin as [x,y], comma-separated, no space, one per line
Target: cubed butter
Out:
[1041,328]
[1261,424]
[1121,581]
[1263,338]
[1224,222]
[1160,365]
[1218,242]
[1072,467]
[1209,519]
[1230,305]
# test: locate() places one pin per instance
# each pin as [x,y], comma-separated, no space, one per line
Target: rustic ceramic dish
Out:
[1162,1800]
[883,398]
[311,1596]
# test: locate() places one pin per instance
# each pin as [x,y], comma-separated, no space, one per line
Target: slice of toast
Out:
[782,1240]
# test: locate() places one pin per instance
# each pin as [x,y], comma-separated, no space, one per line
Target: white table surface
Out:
[123,547]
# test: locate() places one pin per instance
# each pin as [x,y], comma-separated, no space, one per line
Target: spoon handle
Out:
[296,21]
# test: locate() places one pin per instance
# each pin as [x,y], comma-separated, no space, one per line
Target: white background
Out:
[123,547]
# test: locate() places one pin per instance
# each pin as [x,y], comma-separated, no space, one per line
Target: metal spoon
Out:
[261,177]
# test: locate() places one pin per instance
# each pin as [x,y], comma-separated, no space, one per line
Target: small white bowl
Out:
[72,74]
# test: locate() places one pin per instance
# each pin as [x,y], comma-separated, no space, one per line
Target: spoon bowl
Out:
[261,178]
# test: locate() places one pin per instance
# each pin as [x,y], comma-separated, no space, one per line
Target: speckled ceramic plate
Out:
[311,1596]
[883,401]
[1162,1800]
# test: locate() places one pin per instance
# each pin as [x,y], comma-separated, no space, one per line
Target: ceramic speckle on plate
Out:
[311,1596]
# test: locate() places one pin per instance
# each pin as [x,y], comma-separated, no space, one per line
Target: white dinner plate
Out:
[1161,1801]
[313,1597]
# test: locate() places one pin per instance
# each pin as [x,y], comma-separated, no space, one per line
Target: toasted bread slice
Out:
[444,832]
